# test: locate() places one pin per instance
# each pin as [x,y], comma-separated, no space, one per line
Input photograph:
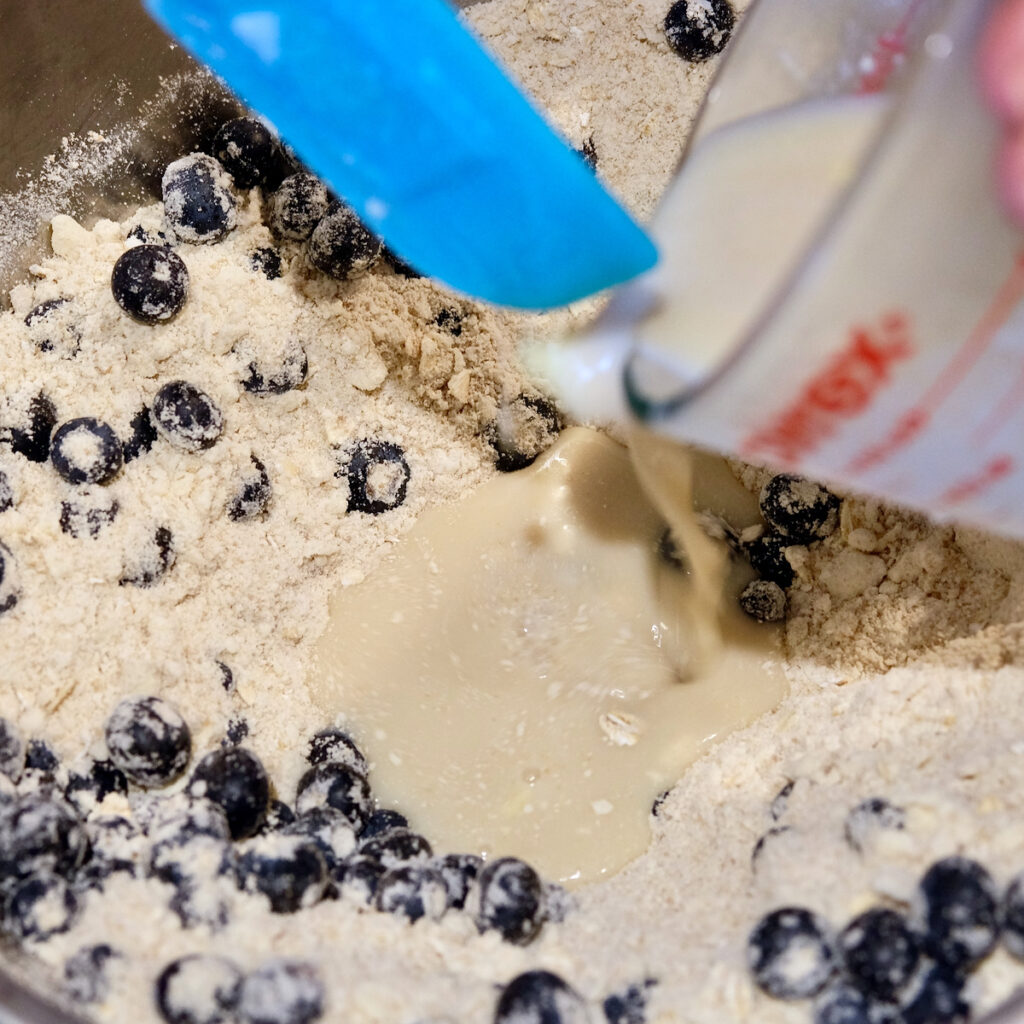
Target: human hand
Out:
[1001,65]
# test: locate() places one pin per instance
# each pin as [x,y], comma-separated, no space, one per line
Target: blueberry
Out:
[588,151]
[398,265]
[185,832]
[198,201]
[764,601]
[330,830]
[52,327]
[382,821]
[39,757]
[227,677]
[6,492]
[790,954]
[150,283]
[141,234]
[142,437]
[85,974]
[511,900]
[524,428]
[377,474]
[1011,913]
[115,846]
[559,903]
[9,588]
[399,846]
[87,791]
[450,319]
[540,997]
[198,989]
[937,998]
[358,878]
[39,834]
[234,778]
[341,246]
[282,992]
[880,952]
[247,150]
[12,748]
[33,438]
[288,869]
[335,745]
[266,261]
[87,520]
[153,562]
[870,816]
[628,1007]
[767,557]
[759,846]
[959,913]
[299,204]
[659,802]
[460,872]
[339,787]
[40,907]
[86,451]
[290,373]
[799,509]
[237,730]
[148,740]
[699,31]
[279,817]
[412,891]
[844,1004]
[186,416]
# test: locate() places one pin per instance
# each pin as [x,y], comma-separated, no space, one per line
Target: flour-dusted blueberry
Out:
[381,821]
[266,261]
[511,900]
[141,435]
[630,1005]
[87,973]
[339,787]
[12,749]
[234,778]
[460,872]
[524,427]
[412,891]
[154,236]
[659,802]
[957,911]
[341,246]
[335,745]
[763,601]
[153,562]
[1011,911]
[150,283]
[279,816]
[767,557]
[86,451]
[289,870]
[450,319]
[880,952]
[201,988]
[199,204]
[588,150]
[40,907]
[697,31]
[868,818]
[299,204]
[42,770]
[540,997]
[329,829]
[398,846]
[398,265]
[790,954]
[184,833]
[936,997]
[52,326]
[32,437]
[378,476]
[148,740]
[247,150]
[89,516]
[288,373]
[282,992]
[843,1003]
[357,878]
[227,676]
[39,834]
[89,785]
[799,509]
[235,733]
[252,499]
[6,492]
[10,586]
[186,416]
[116,846]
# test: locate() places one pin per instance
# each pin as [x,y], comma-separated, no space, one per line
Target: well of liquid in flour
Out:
[505,669]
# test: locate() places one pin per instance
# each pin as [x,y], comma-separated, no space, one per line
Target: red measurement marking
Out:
[841,391]
[917,418]
[890,47]
[994,471]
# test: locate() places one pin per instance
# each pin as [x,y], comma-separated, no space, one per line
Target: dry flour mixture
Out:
[192,460]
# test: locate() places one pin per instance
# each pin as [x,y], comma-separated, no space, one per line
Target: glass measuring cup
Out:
[886,351]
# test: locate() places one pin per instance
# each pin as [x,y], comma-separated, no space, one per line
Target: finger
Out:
[1001,59]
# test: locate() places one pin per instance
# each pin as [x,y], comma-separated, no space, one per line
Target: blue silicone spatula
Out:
[397,106]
